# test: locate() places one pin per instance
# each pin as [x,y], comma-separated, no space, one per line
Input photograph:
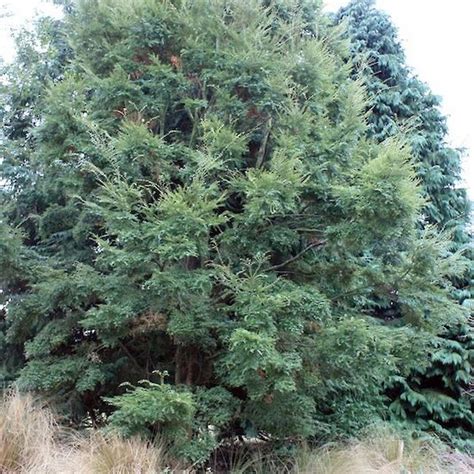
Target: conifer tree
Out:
[399,100]
[434,397]
[41,57]
[206,221]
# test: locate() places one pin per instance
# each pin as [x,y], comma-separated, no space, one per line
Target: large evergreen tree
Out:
[434,397]
[193,201]
[42,54]
[398,100]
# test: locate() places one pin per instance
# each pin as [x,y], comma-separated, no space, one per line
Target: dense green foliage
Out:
[398,100]
[435,397]
[192,188]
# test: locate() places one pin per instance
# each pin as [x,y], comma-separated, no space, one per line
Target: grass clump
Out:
[32,442]
[383,452]
[102,453]
[27,434]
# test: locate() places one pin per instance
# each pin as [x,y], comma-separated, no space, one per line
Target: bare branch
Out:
[313,245]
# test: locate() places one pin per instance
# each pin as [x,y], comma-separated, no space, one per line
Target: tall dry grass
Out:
[32,442]
[383,452]
[26,434]
[379,452]
[101,453]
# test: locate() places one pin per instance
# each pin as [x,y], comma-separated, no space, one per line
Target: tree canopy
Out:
[433,397]
[196,205]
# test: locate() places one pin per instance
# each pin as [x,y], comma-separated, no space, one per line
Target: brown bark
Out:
[192,367]
[179,365]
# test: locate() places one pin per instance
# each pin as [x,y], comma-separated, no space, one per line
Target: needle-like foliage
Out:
[203,201]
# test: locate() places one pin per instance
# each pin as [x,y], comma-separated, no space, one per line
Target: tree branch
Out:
[313,245]
[263,144]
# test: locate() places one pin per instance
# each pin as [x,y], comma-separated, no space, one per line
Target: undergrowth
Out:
[31,441]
